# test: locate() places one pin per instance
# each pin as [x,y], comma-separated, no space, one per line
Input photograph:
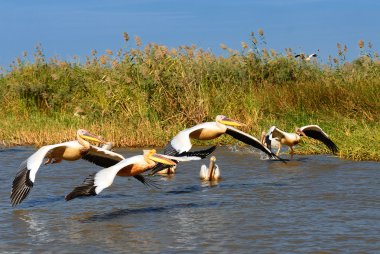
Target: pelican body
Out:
[181,143]
[211,173]
[291,139]
[132,166]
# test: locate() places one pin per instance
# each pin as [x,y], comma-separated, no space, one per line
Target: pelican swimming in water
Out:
[292,139]
[70,151]
[181,144]
[211,173]
[132,166]
[168,171]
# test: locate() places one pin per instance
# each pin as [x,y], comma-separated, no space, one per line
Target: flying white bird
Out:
[292,139]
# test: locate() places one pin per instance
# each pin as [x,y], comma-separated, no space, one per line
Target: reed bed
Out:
[143,95]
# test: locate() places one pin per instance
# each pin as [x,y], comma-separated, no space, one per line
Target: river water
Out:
[312,204]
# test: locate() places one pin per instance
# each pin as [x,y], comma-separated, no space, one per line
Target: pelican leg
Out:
[56,161]
[48,161]
[291,150]
[262,140]
[279,148]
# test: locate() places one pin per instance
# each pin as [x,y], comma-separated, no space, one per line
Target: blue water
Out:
[312,204]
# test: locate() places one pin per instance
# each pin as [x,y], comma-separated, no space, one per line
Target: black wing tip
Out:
[201,153]
[334,149]
[157,168]
[274,156]
[21,186]
[147,181]
[86,189]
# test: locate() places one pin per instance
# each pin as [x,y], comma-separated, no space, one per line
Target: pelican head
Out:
[227,121]
[152,155]
[84,134]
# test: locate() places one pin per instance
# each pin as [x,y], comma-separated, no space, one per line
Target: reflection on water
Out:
[312,204]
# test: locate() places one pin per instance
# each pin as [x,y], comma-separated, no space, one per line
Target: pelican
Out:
[168,171]
[308,58]
[110,158]
[292,139]
[181,143]
[132,166]
[70,151]
[211,173]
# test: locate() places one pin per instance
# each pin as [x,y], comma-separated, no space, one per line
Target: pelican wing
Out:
[102,157]
[104,178]
[24,180]
[316,132]
[276,133]
[270,138]
[169,150]
[181,158]
[203,173]
[201,153]
[249,140]
[181,142]
[146,181]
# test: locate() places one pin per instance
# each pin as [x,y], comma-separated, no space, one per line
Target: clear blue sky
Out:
[75,27]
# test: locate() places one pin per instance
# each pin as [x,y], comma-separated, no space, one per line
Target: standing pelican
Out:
[292,139]
[181,144]
[70,151]
[132,166]
[211,173]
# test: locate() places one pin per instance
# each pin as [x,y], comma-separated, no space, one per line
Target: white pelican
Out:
[107,159]
[292,139]
[211,173]
[308,58]
[132,166]
[168,171]
[70,151]
[180,145]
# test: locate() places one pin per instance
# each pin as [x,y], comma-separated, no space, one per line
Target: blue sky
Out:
[72,27]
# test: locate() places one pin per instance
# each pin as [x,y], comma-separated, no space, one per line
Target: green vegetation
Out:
[142,96]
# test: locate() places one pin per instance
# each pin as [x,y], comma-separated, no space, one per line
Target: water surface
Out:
[312,204]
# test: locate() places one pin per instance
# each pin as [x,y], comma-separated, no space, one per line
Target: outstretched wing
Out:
[316,132]
[250,140]
[24,180]
[102,157]
[95,183]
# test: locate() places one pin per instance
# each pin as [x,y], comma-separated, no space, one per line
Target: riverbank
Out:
[144,96]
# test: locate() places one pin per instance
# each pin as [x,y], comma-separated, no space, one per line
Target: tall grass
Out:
[142,96]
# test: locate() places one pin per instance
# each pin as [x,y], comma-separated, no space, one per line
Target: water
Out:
[312,204]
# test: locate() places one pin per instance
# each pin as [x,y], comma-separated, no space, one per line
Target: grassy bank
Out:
[142,96]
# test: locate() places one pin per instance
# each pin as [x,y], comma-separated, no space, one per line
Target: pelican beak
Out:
[161,159]
[231,122]
[91,137]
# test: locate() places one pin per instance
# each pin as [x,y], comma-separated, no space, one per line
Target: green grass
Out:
[144,96]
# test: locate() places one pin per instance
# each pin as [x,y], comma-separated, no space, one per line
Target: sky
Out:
[75,27]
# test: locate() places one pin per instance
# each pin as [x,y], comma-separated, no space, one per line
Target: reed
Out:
[143,95]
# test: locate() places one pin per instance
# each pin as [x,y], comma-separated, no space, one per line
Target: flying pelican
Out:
[308,58]
[70,151]
[211,173]
[181,144]
[132,166]
[292,139]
